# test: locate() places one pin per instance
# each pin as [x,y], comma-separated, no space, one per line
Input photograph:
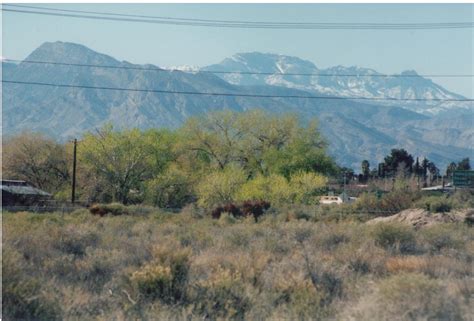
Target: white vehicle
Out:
[331,200]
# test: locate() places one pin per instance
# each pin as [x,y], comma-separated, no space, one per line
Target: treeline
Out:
[213,159]
[399,163]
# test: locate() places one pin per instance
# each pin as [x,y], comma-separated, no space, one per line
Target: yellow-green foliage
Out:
[307,186]
[273,188]
[302,188]
[172,189]
[220,187]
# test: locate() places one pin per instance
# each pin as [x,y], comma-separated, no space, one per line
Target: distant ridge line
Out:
[158,69]
[230,94]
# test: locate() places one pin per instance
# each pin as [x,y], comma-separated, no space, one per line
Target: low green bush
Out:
[221,296]
[463,198]
[442,236]
[392,236]
[435,204]
[469,219]
[165,277]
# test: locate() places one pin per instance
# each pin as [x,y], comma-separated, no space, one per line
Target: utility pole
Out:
[73,193]
[344,188]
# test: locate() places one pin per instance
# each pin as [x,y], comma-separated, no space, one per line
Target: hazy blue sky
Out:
[388,51]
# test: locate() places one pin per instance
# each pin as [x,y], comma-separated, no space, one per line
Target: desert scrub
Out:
[463,198]
[171,256]
[395,237]
[221,295]
[408,263]
[25,297]
[437,238]
[153,281]
[74,239]
[435,204]
[408,296]
[301,299]
[186,267]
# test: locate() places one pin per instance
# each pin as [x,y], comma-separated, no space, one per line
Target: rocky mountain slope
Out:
[354,130]
[338,81]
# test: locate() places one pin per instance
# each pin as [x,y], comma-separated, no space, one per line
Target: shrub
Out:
[246,209]
[229,208]
[73,240]
[153,281]
[222,295]
[114,209]
[435,204]
[441,236]
[302,298]
[407,296]
[367,202]
[408,263]
[24,297]
[469,219]
[394,236]
[363,259]
[463,198]
[166,276]
[255,209]
[300,212]
[226,219]
[387,204]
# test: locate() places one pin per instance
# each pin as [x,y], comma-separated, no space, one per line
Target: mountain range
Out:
[355,129]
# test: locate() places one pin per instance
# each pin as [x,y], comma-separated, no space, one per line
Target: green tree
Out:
[258,142]
[273,188]
[450,169]
[417,169]
[37,159]
[116,163]
[307,187]
[219,187]
[305,152]
[397,160]
[171,189]
[365,167]
[464,164]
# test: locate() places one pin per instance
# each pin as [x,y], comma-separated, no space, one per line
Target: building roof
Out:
[20,188]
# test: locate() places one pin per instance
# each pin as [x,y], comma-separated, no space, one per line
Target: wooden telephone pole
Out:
[73,193]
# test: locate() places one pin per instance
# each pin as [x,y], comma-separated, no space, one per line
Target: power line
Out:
[157,69]
[259,25]
[239,21]
[231,94]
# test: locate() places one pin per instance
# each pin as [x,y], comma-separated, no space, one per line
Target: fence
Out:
[45,207]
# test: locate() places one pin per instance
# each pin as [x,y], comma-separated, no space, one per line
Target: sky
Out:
[448,51]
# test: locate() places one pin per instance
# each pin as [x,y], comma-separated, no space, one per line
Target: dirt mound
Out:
[420,218]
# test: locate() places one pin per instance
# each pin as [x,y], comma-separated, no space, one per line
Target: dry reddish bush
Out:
[408,263]
[246,209]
